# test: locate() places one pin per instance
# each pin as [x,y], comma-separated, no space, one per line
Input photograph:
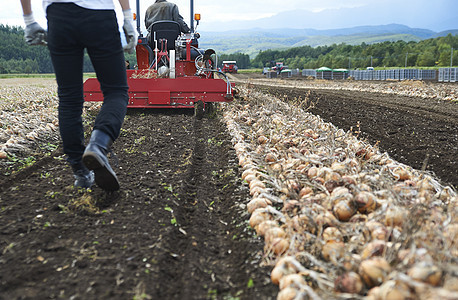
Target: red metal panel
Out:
[158,97]
[165,92]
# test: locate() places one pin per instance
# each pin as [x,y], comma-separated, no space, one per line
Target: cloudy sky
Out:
[214,12]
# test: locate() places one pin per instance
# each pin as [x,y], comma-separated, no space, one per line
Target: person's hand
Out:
[129,31]
[35,34]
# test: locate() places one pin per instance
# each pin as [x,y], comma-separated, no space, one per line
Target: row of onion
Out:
[339,218]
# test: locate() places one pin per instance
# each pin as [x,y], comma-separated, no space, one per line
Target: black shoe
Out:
[95,158]
[83,177]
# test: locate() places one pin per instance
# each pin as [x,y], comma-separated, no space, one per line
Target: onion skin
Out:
[257,217]
[375,248]
[394,290]
[332,234]
[426,272]
[333,250]
[344,210]
[280,246]
[290,279]
[395,216]
[366,202]
[264,226]
[348,283]
[258,203]
[288,293]
[374,271]
[273,233]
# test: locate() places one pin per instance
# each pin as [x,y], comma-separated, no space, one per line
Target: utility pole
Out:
[451,65]
[451,59]
[371,61]
[407,54]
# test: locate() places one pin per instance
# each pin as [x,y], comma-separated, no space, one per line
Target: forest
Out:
[17,57]
[435,52]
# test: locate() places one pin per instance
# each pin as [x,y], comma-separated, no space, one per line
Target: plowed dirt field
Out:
[178,229]
[175,231]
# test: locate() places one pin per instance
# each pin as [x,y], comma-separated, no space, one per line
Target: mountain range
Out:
[251,41]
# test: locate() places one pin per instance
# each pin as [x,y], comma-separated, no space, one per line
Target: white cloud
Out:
[211,10]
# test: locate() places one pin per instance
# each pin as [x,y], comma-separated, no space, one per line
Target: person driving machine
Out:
[162,10]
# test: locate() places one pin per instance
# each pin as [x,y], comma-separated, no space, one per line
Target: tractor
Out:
[229,66]
[172,71]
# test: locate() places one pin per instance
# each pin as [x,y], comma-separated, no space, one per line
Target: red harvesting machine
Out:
[229,66]
[172,71]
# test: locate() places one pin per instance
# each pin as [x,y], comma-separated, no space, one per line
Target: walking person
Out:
[72,27]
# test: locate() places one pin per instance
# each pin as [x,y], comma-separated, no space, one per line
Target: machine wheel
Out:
[199,109]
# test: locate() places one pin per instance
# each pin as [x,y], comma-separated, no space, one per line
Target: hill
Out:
[255,40]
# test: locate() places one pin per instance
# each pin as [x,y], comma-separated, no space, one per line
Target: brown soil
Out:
[177,229]
[415,131]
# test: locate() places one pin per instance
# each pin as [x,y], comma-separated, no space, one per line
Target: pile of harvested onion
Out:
[339,218]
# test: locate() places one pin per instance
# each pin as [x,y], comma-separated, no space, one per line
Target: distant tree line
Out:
[17,57]
[426,53]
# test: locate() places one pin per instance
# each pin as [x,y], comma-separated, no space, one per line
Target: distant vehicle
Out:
[230,66]
[370,69]
[279,66]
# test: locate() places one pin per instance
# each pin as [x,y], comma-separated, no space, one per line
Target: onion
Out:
[282,268]
[3,155]
[374,271]
[394,290]
[332,234]
[395,216]
[312,172]
[258,203]
[348,283]
[280,245]
[256,183]
[426,272]
[262,140]
[326,219]
[249,178]
[264,226]
[344,210]
[333,250]
[366,202]
[273,233]
[257,217]
[256,191]
[379,233]
[288,293]
[247,172]
[270,157]
[291,279]
[375,248]
[401,174]
[305,192]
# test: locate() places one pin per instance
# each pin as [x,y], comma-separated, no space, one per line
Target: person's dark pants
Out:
[71,29]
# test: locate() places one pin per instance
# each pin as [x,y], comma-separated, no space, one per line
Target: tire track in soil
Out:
[171,167]
[412,130]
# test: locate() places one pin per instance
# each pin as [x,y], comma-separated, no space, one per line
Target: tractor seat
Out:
[169,30]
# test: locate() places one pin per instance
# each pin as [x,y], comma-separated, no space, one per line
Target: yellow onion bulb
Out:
[344,210]
[426,272]
[373,271]
[333,250]
[348,283]
[256,203]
